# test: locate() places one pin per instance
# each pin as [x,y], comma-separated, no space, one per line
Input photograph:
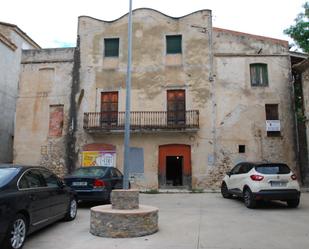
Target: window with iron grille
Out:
[111,47]
[173,44]
[259,74]
[272,114]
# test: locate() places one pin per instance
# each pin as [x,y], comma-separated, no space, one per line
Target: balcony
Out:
[100,122]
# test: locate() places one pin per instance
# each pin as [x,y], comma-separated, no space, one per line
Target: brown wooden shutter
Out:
[109,108]
[176,107]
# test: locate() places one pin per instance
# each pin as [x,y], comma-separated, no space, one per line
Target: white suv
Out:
[261,181]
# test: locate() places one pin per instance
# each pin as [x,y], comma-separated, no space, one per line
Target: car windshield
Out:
[7,174]
[273,169]
[92,172]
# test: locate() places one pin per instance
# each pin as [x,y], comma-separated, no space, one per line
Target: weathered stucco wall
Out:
[11,45]
[152,76]
[213,69]
[240,108]
[45,84]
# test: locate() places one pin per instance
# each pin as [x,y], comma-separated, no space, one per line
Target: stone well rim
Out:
[143,209]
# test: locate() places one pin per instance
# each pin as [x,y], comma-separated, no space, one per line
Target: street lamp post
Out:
[126,164]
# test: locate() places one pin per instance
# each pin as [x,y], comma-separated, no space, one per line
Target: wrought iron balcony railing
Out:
[143,120]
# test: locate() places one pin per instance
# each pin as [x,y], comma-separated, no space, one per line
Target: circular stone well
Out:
[124,218]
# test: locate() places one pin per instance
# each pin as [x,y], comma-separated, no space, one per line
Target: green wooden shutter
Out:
[111,47]
[173,44]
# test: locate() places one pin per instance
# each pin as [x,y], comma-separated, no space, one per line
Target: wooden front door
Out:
[169,153]
[176,107]
[109,108]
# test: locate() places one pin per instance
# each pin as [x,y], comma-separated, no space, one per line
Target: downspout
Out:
[211,79]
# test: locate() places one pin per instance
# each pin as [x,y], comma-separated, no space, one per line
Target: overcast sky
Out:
[54,23]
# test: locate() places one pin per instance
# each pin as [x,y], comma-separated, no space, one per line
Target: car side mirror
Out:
[229,173]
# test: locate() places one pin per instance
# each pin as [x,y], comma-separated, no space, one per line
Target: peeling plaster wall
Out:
[9,76]
[232,112]
[240,118]
[152,76]
[45,80]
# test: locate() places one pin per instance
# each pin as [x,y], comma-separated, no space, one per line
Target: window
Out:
[273,169]
[235,170]
[31,179]
[259,74]
[176,107]
[111,47]
[272,120]
[241,148]
[50,179]
[109,108]
[173,44]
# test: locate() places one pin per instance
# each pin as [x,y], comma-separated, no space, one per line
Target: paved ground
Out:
[193,221]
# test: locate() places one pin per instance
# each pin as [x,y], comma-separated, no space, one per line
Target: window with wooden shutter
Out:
[272,120]
[176,107]
[259,74]
[173,44]
[111,47]
[109,108]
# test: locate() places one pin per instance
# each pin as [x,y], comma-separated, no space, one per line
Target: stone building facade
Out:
[12,41]
[202,99]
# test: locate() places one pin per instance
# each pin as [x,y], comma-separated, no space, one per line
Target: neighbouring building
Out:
[12,41]
[42,114]
[300,70]
[202,99]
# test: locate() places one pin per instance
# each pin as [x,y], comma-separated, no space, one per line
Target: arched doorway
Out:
[174,166]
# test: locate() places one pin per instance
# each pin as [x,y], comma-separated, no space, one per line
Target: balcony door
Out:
[109,108]
[176,107]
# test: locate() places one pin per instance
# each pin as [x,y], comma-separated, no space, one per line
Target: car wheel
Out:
[249,200]
[293,203]
[17,233]
[224,191]
[72,210]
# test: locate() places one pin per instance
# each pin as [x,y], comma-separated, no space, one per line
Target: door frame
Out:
[183,150]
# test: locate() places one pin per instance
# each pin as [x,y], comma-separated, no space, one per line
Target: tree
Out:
[300,31]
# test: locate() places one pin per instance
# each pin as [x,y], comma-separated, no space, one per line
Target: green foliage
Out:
[300,31]
[197,190]
[299,104]
[151,191]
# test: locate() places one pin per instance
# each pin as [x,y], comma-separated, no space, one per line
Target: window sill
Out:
[173,60]
[110,62]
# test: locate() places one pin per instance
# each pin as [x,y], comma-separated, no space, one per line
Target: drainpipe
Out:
[213,88]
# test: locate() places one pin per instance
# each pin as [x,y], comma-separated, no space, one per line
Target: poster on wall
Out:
[99,158]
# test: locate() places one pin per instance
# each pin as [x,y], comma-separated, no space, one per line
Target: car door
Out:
[116,179]
[33,188]
[233,180]
[59,198]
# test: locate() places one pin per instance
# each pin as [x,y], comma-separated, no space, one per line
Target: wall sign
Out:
[99,158]
[272,125]
[99,155]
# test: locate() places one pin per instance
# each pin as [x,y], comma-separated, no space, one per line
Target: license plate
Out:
[278,184]
[79,183]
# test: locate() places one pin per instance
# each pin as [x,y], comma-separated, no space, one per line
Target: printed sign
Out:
[272,125]
[99,158]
